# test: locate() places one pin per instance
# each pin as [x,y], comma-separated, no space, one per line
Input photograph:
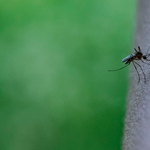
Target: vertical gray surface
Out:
[137,123]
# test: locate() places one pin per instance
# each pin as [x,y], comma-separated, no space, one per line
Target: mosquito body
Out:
[138,55]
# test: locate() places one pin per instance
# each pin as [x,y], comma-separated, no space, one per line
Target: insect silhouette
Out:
[138,55]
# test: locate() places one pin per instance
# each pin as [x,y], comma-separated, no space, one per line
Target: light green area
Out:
[55,90]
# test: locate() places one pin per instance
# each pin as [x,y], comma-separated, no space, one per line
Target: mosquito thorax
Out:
[139,55]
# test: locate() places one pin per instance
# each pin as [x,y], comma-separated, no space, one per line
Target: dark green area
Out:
[55,90]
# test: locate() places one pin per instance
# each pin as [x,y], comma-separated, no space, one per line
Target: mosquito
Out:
[138,55]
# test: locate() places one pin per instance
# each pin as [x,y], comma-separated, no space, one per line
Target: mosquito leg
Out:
[147,50]
[142,71]
[139,48]
[120,68]
[147,59]
[136,71]
[135,49]
[145,62]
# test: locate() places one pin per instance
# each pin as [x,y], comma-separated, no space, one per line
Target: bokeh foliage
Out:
[55,90]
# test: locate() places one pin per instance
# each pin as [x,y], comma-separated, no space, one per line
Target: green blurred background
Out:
[55,90]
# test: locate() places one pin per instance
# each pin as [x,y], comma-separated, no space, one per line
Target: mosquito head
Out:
[144,56]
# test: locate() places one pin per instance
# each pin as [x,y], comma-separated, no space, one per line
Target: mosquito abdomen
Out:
[128,57]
